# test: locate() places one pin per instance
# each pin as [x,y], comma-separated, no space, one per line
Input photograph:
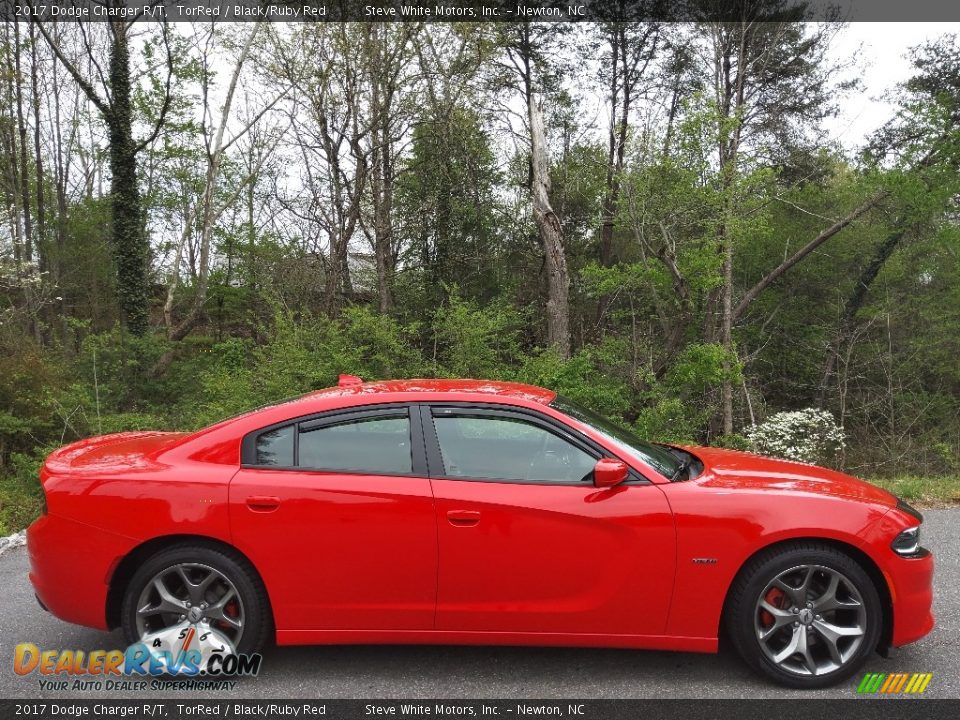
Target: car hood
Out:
[740,470]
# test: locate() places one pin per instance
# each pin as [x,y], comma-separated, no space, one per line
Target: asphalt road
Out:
[464,672]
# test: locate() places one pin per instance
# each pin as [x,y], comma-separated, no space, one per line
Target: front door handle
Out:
[463,518]
[263,503]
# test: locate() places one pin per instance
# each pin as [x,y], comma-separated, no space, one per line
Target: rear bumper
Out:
[911,591]
[70,568]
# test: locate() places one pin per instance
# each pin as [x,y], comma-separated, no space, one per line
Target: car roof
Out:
[484,389]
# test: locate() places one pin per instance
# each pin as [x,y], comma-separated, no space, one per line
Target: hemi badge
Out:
[705,561]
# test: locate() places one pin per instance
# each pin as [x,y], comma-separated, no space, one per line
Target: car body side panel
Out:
[554,558]
[99,511]
[340,551]
[148,498]
[71,564]
[719,529]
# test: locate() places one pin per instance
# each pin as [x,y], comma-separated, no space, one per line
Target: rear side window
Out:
[276,447]
[374,445]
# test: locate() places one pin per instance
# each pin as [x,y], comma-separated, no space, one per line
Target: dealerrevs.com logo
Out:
[181,654]
[894,683]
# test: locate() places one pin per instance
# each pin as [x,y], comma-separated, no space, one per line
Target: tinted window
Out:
[489,448]
[276,447]
[375,445]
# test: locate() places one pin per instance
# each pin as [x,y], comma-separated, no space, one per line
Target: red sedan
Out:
[476,512]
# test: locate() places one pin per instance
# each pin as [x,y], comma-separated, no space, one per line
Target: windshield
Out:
[659,458]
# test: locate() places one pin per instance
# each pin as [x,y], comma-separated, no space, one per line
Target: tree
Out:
[447,207]
[331,129]
[629,50]
[207,211]
[924,189]
[131,247]
[527,48]
[388,51]
[768,77]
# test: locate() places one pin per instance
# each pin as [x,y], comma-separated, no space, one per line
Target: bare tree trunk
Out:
[551,234]
[726,337]
[381,171]
[38,157]
[23,150]
[381,186]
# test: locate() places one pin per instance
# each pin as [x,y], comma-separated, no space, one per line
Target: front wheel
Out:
[212,590]
[805,615]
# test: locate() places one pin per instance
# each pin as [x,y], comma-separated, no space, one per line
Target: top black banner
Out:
[481,10]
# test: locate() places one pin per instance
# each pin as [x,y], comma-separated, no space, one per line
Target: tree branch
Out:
[819,240]
[162,117]
[84,84]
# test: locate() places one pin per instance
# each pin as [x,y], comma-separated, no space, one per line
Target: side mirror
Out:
[609,472]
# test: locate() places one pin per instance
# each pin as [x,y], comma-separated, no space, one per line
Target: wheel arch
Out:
[125,569]
[863,559]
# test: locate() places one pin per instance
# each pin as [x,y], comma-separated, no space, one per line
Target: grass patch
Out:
[923,491]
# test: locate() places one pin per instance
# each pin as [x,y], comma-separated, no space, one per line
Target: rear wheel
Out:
[206,588]
[805,615]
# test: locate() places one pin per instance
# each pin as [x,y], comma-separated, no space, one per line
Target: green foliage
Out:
[447,208]
[701,366]
[304,354]
[588,377]
[474,342]
[21,498]
[29,385]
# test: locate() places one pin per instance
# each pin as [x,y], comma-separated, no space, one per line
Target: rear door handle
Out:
[463,518]
[263,503]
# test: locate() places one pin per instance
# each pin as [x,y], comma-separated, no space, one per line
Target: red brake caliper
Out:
[231,610]
[775,597]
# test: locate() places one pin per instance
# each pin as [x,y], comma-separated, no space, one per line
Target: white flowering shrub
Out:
[810,435]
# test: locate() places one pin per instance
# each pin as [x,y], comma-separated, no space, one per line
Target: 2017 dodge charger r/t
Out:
[476,512]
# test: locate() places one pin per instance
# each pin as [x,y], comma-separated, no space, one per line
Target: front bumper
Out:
[70,568]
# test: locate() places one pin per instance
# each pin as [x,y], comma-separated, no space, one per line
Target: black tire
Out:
[813,562]
[257,623]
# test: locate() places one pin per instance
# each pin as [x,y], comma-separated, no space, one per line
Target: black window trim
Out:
[314,421]
[562,430]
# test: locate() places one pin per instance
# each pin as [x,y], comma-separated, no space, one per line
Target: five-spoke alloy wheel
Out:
[805,614]
[201,586]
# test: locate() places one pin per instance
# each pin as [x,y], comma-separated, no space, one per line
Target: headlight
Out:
[907,542]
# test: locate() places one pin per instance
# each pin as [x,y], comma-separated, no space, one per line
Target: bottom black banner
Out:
[744,709]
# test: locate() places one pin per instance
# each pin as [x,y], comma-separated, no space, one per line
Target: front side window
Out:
[502,448]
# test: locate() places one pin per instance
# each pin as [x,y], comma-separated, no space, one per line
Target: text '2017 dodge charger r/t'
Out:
[476,512]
